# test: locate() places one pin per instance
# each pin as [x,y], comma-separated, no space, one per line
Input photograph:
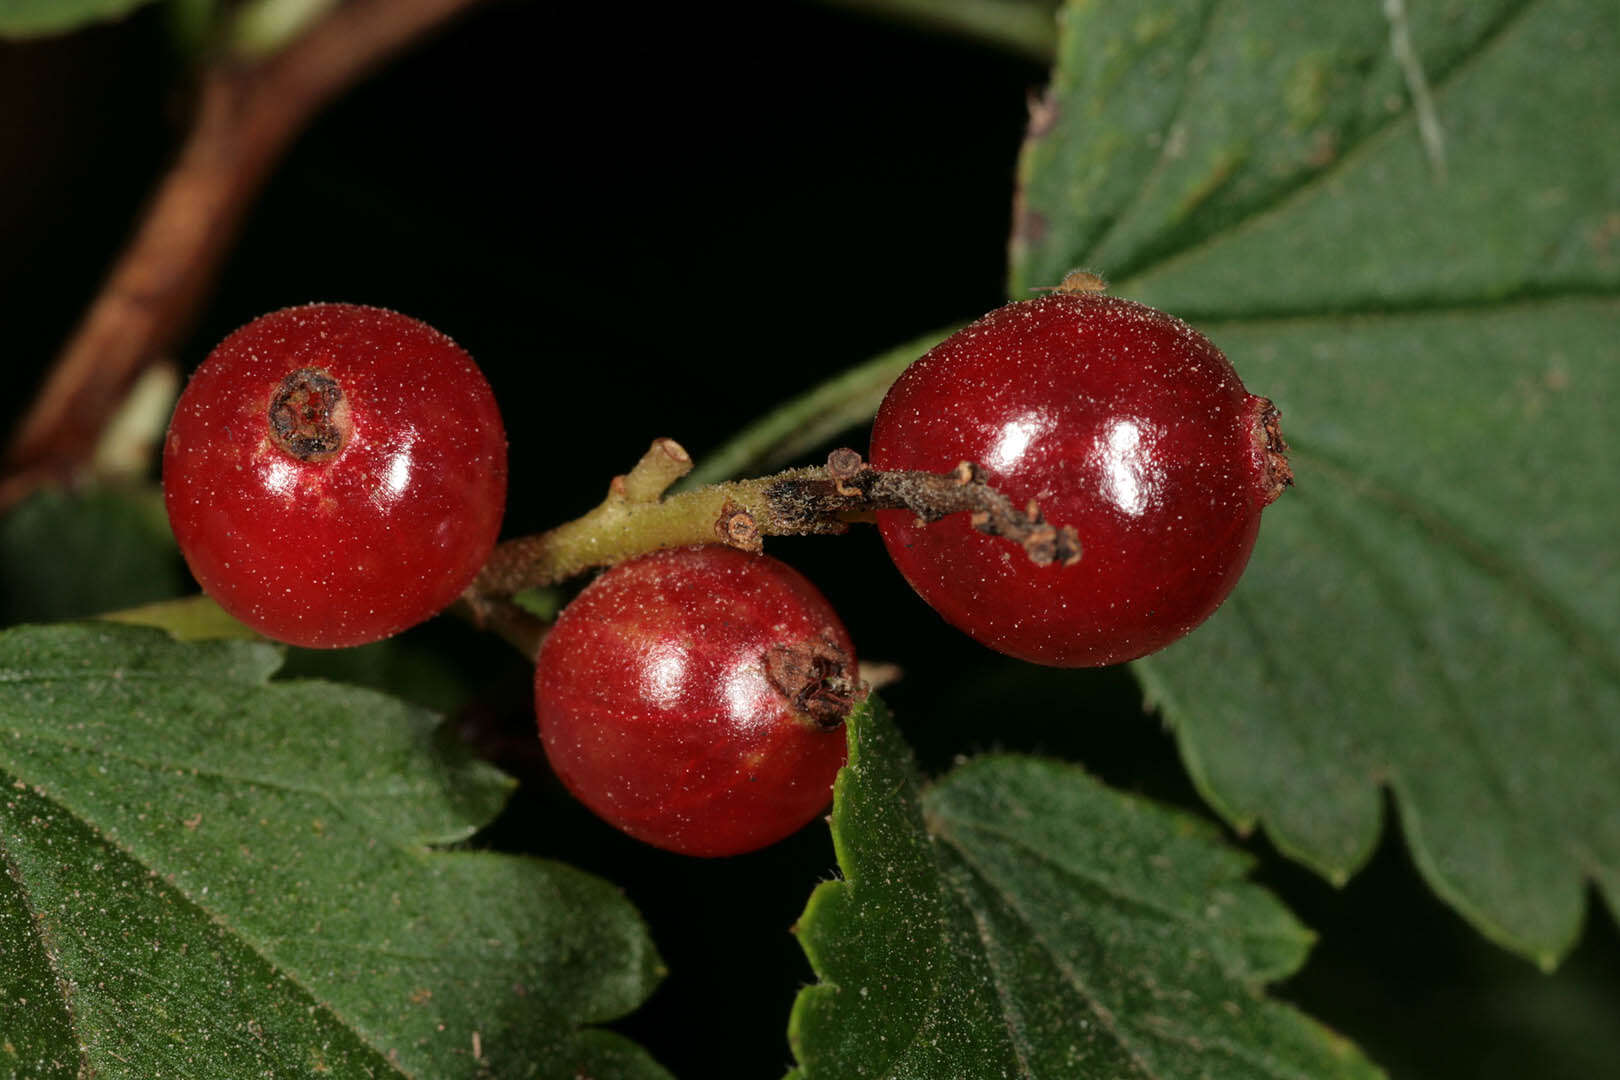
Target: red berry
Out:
[335,473]
[693,697]
[1116,419]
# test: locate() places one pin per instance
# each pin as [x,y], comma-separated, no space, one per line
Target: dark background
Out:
[655,219]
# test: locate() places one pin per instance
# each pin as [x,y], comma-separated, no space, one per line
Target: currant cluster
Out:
[335,474]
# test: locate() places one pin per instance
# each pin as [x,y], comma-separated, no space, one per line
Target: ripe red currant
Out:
[335,473]
[1114,418]
[693,698]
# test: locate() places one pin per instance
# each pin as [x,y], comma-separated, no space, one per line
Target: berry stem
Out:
[621,527]
[636,518]
[813,419]
[852,490]
[519,629]
[665,462]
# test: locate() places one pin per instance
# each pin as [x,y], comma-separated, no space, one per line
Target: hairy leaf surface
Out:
[1402,223]
[208,874]
[1019,919]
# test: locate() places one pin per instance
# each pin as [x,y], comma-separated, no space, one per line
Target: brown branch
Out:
[852,489]
[247,115]
[521,630]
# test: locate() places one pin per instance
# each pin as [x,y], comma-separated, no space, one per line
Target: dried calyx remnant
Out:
[853,487]
[737,528]
[309,417]
[815,676]
[1279,474]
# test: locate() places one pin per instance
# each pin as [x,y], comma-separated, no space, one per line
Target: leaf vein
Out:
[1102,1012]
[1162,159]
[1308,183]
[213,772]
[1168,1032]
[1110,889]
[36,920]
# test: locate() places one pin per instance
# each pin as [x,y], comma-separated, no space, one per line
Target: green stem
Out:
[262,27]
[1022,26]
[841,403]
[736,513]
[636,518]
[190,618]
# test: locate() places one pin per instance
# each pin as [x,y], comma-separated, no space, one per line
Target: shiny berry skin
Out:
[693,698]
[335,474]
[1116,419]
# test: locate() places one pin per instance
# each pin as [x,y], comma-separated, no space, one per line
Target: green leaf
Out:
[410,667]
[1020,919]
[1402,223]
[32,18]
[65,556]
[190,618]
[207,874]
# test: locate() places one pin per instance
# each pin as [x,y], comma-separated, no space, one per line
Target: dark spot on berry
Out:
[815,677]
[309,417]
